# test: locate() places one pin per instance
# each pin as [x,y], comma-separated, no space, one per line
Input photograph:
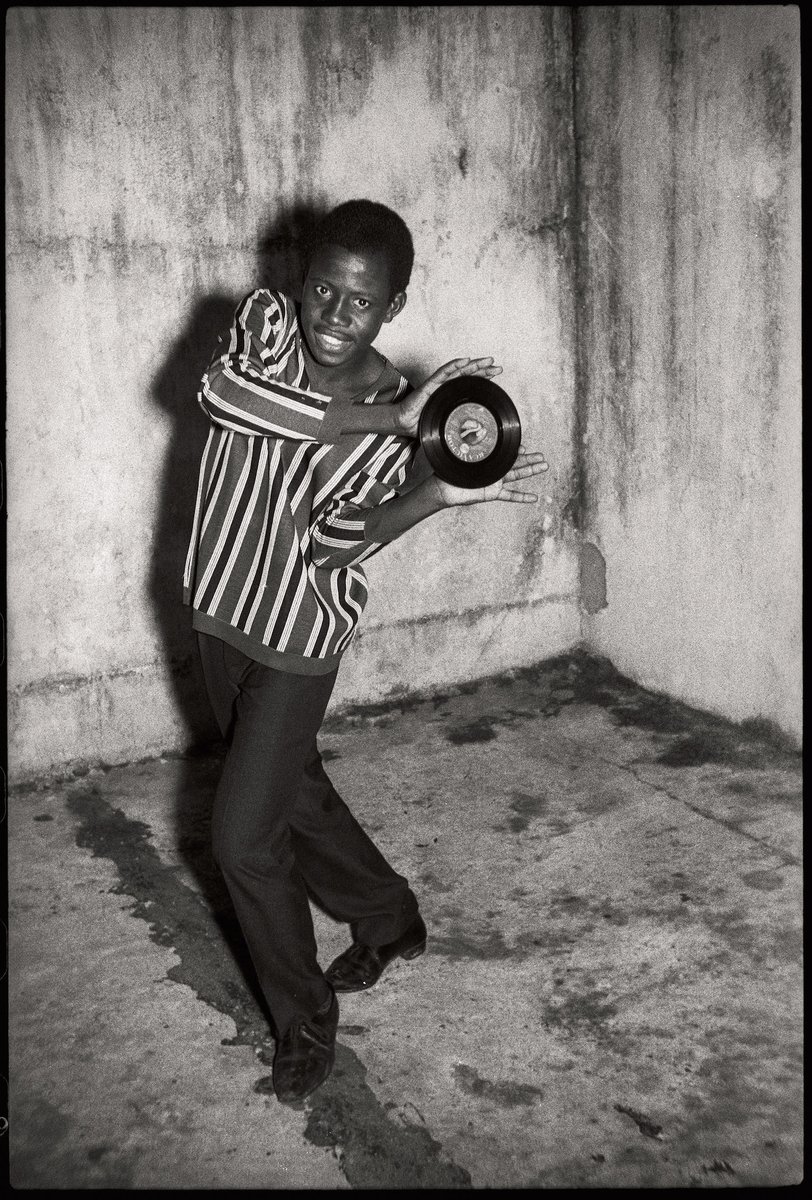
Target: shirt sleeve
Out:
[244,389]
[337,538]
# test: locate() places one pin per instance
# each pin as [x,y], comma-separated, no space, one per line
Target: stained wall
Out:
[606,199]
[689,367]
[161,163]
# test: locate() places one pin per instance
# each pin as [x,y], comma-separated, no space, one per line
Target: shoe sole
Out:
[414,952]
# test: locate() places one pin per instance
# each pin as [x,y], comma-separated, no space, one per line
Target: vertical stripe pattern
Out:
[278,532]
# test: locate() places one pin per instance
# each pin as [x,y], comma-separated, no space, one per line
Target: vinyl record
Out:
[470,431]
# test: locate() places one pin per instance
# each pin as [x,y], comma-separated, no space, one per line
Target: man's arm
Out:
[354,532]
[388,521]
[240,390]
[403,418]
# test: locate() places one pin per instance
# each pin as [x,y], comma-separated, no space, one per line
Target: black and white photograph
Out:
[403,604]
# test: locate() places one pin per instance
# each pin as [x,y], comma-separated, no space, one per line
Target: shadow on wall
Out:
[280,261]
[174,389]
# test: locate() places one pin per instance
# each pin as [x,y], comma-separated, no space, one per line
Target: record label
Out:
[471,432]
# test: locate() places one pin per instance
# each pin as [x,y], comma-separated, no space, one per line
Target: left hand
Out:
[528,464]
[409,409]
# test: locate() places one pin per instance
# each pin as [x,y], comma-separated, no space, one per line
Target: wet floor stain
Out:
[176,916]
[36,1123]
[718,1167]
[475,731]
[585,1010]
[489,944]
[380,1146]
[345,1114]
[433,883]
[526,807]
[507,1094]
[389,1143]
[647,1127]
[680,736]
[763,881]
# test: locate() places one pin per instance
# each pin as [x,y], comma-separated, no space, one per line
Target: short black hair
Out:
[365,225]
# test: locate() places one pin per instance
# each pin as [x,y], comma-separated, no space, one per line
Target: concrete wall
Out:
[150,153]
[689,367]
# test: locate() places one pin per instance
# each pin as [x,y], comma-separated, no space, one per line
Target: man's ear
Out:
[396,305]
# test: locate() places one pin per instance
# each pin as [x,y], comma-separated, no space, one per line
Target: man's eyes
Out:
[321,289]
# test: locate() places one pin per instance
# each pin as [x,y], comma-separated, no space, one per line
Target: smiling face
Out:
[345,301]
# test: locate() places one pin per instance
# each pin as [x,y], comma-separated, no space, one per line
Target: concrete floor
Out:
[611,996]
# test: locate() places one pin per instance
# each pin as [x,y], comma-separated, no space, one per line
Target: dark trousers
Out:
[280,829]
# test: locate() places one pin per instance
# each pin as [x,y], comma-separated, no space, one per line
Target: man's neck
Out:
[338,381]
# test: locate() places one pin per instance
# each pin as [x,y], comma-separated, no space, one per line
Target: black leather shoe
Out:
[361,966]
[305,1055]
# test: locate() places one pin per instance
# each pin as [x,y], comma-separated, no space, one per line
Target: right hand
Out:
[410,408]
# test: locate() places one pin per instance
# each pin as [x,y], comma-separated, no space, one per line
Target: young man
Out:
[304,476]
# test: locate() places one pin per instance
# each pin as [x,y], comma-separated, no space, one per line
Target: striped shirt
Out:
[278,535]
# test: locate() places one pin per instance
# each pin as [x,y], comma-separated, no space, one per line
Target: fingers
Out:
[531,456]
[467,366]
[531,465]
[514,496]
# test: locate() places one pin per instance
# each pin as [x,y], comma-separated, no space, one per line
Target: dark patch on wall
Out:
[506,1094]
[231,70]
[674,216]
[342,47]
[769,97]
[462,161]
[531,561]
[592,574]
[119,246]
[776,80]
[574,510]
[609,198]
[602,45]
